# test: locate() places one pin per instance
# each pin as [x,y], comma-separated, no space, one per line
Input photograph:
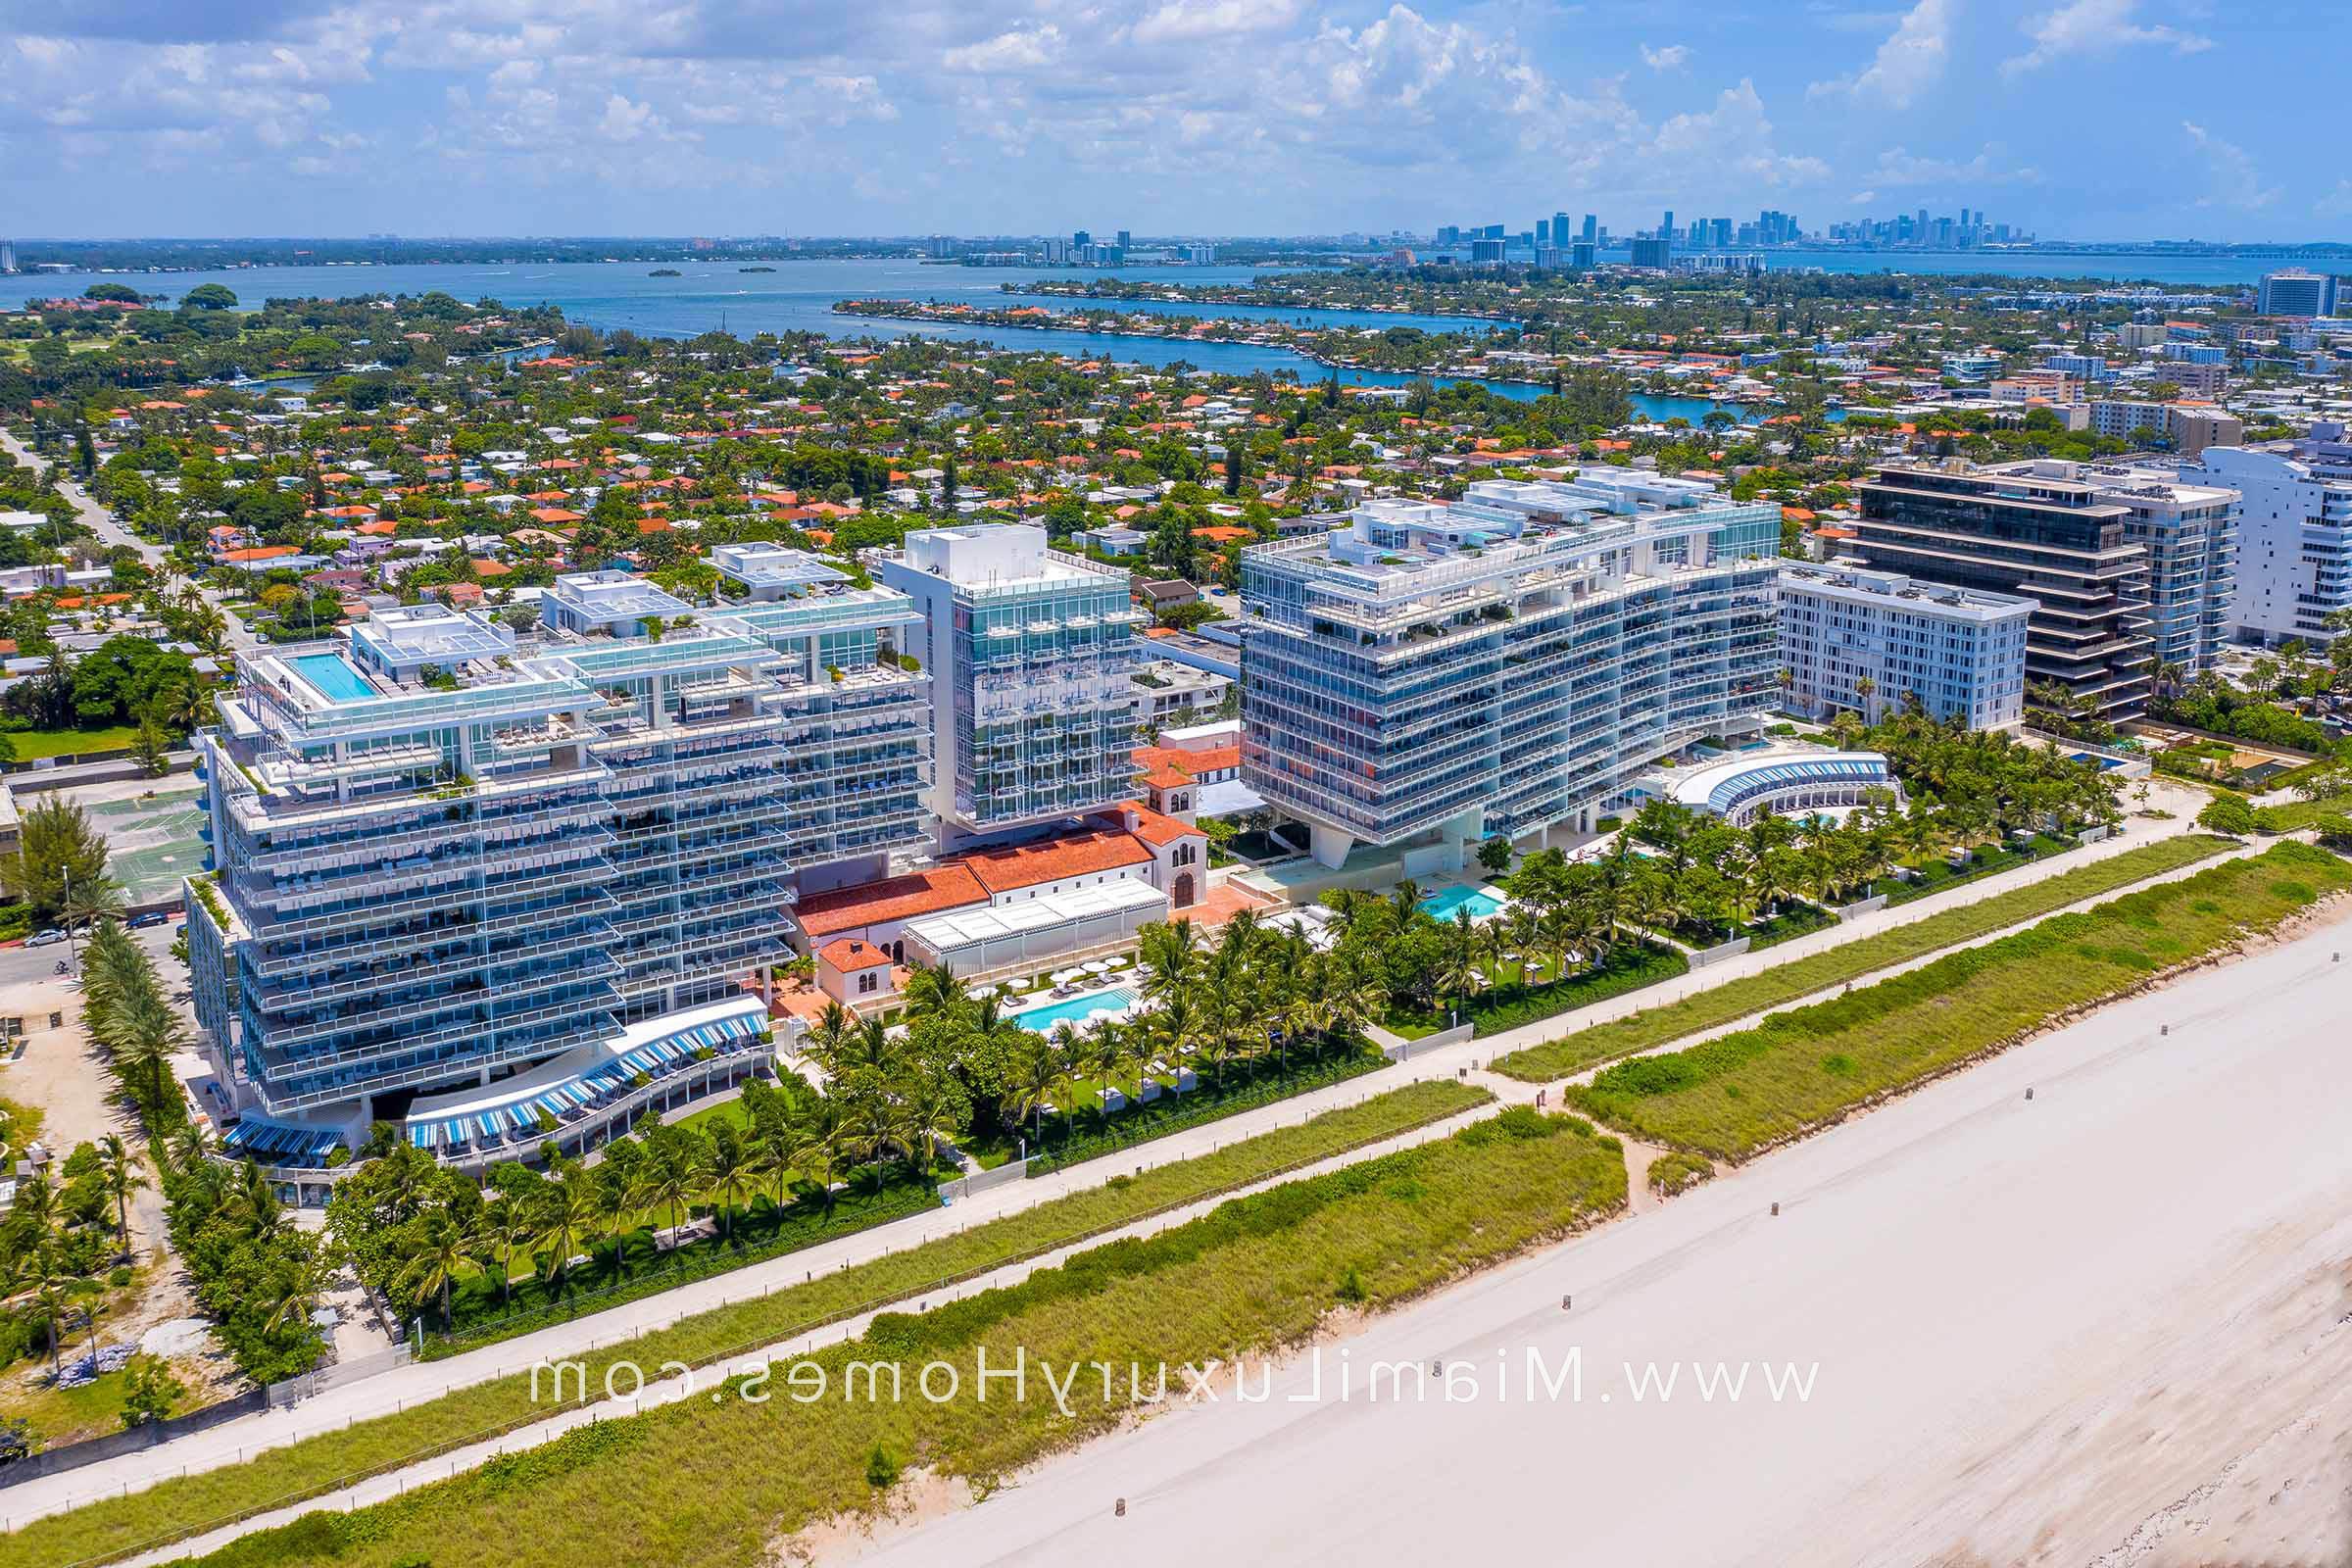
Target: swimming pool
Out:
[1478,901]
[1074,1011]
[334,677]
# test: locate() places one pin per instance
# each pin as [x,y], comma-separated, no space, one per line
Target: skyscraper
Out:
[2015,529]
[1666,227]
[1592,235]
[1030,652]
[2296,292]
[1561,232]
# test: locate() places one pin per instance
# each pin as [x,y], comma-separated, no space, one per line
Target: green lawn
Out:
[1801,977]
[189,1505]
[717,1481]
[1737,1094]
[33,744]
[1939,875]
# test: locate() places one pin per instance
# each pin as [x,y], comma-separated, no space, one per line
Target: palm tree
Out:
[1105,1050]
[440,1256]
[1037,1072]
[119,1170]
[819,1137]
[931,988]
[728,1169]
[508,1228]
[256,1199]
[295,1292]
[834,1025]
[1170,951]
[927,1120]
[671,1178]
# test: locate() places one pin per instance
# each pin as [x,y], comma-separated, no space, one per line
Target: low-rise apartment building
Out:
[1868,642]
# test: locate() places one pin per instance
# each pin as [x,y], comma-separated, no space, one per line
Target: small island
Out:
[754,269]
[665,272]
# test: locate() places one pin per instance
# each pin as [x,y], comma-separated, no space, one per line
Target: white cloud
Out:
[1188,20]
[2337,203]
[1897,167]
[1909,63]
[1022,49]
[1666,59]
[1736,137]
[2095,27]
[2231,179]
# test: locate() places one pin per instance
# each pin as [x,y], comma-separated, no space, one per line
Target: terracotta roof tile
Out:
[898,897]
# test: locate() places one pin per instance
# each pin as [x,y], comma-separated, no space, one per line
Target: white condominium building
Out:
[1031,651]
[2189,531]
[1504,664]
[1960,650]
[449,857]
[2294,560]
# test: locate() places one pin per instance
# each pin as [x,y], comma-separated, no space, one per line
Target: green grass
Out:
[1785,983]
[190,1505]
[33,744]
[2293,816]
[1737,1094]
[721,1484]
[1941,876]
[1676,1172]
[1509,1006]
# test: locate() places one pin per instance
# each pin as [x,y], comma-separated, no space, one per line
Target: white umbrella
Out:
[979,993]
[1096,966]
[1062,977]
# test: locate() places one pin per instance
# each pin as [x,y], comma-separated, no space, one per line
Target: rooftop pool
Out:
[1074,1011]
[333,677]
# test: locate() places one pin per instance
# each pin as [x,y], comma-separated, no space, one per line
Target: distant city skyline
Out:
[2087,120]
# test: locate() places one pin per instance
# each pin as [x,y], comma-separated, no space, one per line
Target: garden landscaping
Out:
[1776,987]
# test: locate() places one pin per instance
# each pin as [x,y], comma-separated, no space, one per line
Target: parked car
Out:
[43,939]
[139,922]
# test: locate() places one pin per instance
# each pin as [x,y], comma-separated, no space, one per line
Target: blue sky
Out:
[2080,118]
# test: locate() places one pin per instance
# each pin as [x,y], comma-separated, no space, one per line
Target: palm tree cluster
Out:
[59,1242]
[1978,785]
[256,1274]
[1248,998]
[431,1238]
[128,1013]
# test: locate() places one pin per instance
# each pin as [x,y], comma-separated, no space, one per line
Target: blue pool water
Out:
[334,677]
[1478,901]
[1074,1011]
[2105,763]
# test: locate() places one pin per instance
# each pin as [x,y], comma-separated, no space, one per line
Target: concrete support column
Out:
[1329,845]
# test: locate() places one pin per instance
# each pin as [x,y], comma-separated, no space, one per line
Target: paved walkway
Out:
[393,1390]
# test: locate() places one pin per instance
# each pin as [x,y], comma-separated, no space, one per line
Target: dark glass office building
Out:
[2014,531]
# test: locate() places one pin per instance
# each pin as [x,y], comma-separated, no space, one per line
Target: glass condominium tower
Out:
[444,851]
[1032,651]
[1508,663]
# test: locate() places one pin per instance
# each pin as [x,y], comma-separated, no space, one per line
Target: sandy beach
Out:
[2111,1325]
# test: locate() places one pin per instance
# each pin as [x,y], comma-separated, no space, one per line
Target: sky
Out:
[2077,119]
